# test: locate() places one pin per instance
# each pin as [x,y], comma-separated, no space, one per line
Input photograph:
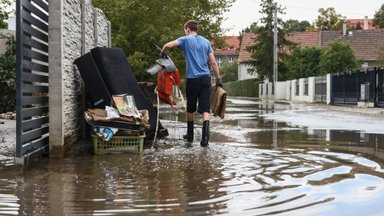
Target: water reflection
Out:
[252,167]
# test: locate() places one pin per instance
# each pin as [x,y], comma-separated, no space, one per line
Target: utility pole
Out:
[275,57]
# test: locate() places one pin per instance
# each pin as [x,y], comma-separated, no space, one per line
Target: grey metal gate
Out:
[346,86]
[380,88]
[321,89]
[32,78]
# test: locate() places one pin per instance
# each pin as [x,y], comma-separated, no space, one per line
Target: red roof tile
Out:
[247,40]
[366,44]
[304,39]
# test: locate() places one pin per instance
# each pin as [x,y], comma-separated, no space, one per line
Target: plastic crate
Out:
[118,144]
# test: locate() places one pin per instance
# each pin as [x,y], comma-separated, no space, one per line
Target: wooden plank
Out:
[32,20]
[34,134]
[41,4]
[28,100]
[35,111]
[30,77]
[38,144]
[30,88]
[32,8]
[35,55]
[28,65]
[34,123]
[35,44]
[27,29]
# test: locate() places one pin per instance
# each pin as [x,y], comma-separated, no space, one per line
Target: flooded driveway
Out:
[264,159]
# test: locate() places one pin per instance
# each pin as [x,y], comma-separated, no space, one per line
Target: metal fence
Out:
[31,78]
[351,87]
[321,89]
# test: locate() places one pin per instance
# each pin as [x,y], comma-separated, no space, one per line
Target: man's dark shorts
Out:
[198,90]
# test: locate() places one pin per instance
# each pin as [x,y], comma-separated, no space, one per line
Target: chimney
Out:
[365,23]
[344,28]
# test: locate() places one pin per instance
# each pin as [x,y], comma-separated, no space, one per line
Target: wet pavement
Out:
[264,158]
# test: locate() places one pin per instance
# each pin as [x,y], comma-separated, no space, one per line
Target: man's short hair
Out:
[191,24]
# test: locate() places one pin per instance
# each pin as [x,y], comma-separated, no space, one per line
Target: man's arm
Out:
[170,45]
[214,65]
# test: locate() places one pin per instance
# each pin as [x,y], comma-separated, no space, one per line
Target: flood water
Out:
[253,166]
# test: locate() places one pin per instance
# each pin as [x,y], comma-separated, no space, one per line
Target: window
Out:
[230,60]
[306,87]
[297,87]
[220,62]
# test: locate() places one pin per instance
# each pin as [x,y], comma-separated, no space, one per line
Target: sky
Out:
[244,12]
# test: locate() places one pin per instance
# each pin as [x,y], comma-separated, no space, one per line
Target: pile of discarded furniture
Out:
[119,113]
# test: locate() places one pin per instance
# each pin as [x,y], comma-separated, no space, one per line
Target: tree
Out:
[304,63]
[378,19]
[8,75]
[358,26]
[6,10]
[328,19]
[137,25]
[338,57]
[296,25]
[262,50]
[229,72]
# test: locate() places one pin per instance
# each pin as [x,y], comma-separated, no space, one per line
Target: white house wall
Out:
[243,74]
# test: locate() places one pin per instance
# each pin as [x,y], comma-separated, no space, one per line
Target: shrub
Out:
[8,75]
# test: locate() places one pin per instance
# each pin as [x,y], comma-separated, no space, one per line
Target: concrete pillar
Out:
[329,86]
[56,113]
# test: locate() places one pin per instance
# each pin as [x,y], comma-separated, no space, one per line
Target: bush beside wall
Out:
[244,88]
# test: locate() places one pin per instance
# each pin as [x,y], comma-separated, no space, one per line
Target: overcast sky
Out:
[245,12]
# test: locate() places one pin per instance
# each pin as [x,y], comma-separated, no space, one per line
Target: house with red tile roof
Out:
[366,45]
[229,52]
[365,23]
[245,71]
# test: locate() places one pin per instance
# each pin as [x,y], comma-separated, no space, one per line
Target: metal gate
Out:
[31,79]
[321,89]
[346,86]
[380,88]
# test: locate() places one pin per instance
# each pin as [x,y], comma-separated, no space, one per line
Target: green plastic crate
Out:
[118,144]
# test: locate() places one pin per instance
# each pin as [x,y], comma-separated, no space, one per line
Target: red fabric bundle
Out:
[165,83]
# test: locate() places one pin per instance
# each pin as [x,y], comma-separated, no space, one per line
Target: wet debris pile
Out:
[8,116]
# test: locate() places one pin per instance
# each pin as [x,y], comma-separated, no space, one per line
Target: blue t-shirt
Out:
[196,49]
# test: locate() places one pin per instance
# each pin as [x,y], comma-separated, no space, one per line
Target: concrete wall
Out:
[287,90]
[75,27]
[303,96]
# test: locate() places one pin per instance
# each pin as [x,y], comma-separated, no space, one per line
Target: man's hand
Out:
[163,54]
[218,82]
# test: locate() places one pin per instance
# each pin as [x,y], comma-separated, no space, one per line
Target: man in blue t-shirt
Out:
[197,51]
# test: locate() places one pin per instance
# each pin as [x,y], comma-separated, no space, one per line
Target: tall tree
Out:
[8,74]
[5,10]
[328,19]
[262,50]
[304,63]
[338,57]
[137,25]
[296,25]
[358,25]
[378,19]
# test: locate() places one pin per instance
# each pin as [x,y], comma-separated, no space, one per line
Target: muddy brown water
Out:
[252,167]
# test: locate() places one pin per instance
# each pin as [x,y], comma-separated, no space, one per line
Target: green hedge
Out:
[244,88]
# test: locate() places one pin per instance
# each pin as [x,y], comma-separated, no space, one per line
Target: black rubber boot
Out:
[205,134]
[189,135]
